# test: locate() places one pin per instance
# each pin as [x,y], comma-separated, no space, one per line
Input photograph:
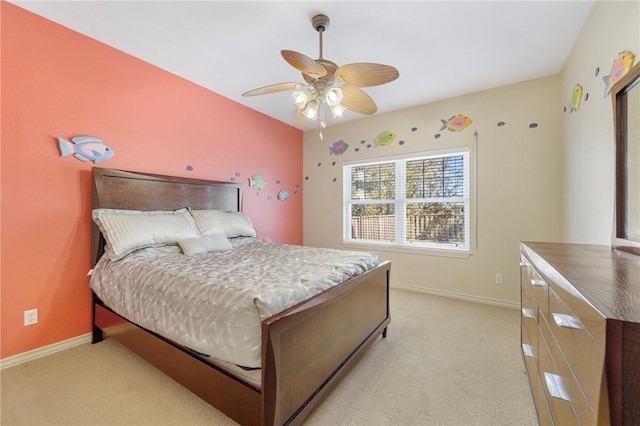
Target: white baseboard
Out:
[461,296]
[44,351]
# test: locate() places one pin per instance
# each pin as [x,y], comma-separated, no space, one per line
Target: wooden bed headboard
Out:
[120,189]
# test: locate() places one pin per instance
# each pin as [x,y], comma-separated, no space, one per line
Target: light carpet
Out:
[444,362]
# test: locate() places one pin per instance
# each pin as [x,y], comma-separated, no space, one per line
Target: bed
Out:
[303,351]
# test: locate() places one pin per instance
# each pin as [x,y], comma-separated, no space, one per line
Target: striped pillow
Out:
[129,230]
[227,223]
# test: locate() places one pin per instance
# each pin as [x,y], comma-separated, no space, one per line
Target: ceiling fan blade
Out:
[273,88]
[357,100]
[300,116]
[366,74]
[303,63]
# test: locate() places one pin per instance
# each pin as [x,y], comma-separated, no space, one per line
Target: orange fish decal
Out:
[456,123]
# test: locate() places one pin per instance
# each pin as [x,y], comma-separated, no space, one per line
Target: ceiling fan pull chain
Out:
[322,123]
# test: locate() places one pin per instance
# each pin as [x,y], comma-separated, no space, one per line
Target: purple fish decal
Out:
[338,147]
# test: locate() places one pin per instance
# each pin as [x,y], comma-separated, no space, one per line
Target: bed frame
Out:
[306,349]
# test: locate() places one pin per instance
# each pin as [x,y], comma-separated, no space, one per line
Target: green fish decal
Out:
[385,138]
[258,182]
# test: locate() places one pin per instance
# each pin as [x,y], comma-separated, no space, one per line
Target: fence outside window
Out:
[435,228]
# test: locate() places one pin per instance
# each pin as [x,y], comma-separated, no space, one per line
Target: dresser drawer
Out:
[584,351]
[530,354]
[528,306]
[536,285]
[542,407]
[529,321]
[574,390]
[556,383]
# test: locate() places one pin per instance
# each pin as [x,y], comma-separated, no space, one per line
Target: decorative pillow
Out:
[129,230]
[205,244]
[230,224]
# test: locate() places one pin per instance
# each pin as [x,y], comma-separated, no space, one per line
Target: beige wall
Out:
[551,183]
[588,136]
[518,171]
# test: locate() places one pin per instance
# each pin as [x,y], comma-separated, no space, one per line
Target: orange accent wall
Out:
[56,82]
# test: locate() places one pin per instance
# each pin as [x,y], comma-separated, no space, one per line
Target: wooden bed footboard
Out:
[307,348]
[306,351]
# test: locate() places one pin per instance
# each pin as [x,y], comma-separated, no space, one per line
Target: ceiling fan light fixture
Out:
[337,110]
[334,96]
[301,98]
[311,110]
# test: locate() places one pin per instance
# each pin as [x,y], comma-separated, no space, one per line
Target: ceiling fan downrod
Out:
[320,24]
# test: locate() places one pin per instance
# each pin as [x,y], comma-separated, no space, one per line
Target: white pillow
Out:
[205,244]
[129,230]
[230,224]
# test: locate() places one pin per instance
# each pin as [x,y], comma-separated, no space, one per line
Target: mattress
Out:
[213,303]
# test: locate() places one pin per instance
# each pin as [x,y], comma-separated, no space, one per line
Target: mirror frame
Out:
[619,93]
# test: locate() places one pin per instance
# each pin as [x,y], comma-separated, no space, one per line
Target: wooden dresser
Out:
[581,333]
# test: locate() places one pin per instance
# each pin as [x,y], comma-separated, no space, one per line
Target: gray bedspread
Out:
[214,302]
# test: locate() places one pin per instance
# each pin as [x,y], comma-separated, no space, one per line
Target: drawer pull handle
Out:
[528,313]
[527,350]
[556,386]
[567,321]
[538,283]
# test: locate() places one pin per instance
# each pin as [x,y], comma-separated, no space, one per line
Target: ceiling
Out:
[442,49]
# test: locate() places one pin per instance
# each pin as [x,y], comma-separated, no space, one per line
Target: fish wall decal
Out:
[456,123]
[338,147]
[86,148]
[576,97]
[621,65]
[385,138]
[258,182]
[283,195]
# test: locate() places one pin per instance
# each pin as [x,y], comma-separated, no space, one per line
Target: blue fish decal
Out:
[86,148]
[283,195]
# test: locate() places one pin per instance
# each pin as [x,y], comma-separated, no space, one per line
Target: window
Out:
[417,200]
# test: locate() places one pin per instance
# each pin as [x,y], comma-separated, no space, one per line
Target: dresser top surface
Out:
[608,279]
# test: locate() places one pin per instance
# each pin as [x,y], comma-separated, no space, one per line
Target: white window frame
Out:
[401,201]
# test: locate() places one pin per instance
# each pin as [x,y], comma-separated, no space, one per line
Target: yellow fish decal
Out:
[385,138]
[576,96]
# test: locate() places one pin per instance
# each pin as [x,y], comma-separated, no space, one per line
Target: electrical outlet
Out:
[498,278]
[31,317]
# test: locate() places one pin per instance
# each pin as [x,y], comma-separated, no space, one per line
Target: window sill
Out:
[461,254]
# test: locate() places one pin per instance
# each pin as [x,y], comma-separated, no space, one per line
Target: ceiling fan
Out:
[326,82]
